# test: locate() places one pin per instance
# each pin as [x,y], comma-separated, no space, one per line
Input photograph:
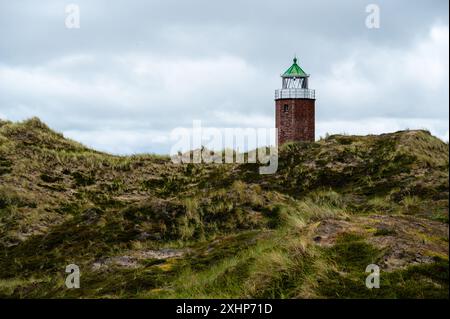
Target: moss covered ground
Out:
[143,227]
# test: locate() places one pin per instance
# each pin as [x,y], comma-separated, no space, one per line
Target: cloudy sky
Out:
[136,69]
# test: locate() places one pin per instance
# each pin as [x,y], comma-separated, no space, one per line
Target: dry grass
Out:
[248,235]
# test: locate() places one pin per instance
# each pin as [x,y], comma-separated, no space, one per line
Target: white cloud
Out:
[140,78]
[381,81]
[122,142]
[241,119]
[133,89]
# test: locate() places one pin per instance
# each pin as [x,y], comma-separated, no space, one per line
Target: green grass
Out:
[245,235]
[428,281]
[352,254]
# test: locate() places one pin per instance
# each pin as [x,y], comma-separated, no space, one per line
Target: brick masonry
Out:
[295,120]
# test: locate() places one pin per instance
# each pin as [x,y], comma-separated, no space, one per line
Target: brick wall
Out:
[296,122]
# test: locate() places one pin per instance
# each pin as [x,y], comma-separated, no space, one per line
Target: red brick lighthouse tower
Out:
[294,107]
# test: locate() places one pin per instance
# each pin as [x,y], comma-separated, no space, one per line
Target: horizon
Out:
[218,150]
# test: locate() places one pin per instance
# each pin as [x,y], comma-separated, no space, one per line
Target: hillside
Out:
[143,227]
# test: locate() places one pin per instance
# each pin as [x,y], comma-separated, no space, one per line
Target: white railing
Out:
[295,94]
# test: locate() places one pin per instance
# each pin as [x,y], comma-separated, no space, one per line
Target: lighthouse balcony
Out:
[295,94]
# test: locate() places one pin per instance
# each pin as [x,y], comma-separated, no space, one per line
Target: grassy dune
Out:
[143,227]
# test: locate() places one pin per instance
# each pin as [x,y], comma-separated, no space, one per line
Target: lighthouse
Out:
[295,107]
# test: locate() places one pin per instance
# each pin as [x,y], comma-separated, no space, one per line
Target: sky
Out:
[136,70]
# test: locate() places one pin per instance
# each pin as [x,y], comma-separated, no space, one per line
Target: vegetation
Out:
[144,227]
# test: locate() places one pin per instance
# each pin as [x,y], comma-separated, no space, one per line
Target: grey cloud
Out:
[150,66]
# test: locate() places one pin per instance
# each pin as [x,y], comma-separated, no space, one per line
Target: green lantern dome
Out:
[295,71]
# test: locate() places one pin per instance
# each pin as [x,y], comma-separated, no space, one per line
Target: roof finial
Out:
[295,58]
